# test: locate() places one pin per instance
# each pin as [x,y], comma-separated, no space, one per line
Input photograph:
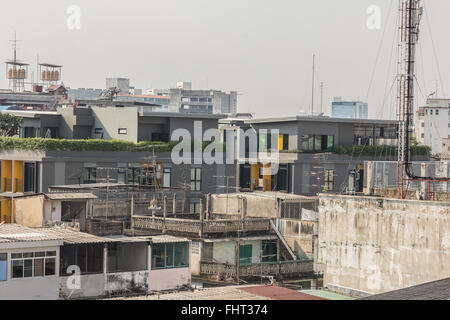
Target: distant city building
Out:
[84,93]
[435,125]
[122,83]
[186,100]
[349,109]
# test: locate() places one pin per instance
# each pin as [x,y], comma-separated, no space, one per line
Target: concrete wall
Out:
[299,235]
[376,245]
[112,118]
[168,279]
[30,211]
[225,251]
[256,207]
[34,288]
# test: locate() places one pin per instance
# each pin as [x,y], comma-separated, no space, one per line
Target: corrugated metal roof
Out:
[168,239]
[70,196]
[73,237]
[10,233]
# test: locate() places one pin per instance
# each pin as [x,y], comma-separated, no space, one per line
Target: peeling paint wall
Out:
[299,235]
[376,245]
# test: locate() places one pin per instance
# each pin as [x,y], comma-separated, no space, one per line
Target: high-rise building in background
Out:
[349,109]
[123,84]
[186,100]
[432,125]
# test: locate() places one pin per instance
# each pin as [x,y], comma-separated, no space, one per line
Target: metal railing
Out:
[198,226]
[257,269]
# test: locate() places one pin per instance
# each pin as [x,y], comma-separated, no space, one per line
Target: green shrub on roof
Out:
[44,144]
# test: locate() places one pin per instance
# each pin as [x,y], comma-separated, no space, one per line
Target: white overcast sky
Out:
[262,49]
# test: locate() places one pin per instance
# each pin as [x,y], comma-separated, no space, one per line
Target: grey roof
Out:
[147,113]
[10,233]
[436,290]
[70,196]
[70,236]
[167,239]
[319,119]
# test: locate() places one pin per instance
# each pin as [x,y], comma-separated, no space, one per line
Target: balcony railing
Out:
[198,226]
[257,269]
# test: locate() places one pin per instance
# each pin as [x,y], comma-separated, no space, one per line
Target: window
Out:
[90,175]
[122,131]
[30,177]
[196,179]
[207,252]
[317,143]
[170,255]
[283,142]
[329,180]
[167,172]
[133,175]
[194,207]
[431,112]
[33,264]
[3,266]
[437,112]
[98,130]
[121,175]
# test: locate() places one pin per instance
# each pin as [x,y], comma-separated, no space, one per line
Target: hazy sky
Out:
[262,49]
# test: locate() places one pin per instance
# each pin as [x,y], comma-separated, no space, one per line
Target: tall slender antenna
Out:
[313,79]
[321,97]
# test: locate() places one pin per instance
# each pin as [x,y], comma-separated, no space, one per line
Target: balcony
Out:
[205,227]
[226,271]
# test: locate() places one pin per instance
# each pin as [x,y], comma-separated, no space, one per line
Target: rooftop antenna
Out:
[321,97]
[313,78]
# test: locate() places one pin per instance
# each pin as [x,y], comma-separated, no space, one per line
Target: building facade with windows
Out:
[349,109]
[432,123]
[29,264]
[308,163]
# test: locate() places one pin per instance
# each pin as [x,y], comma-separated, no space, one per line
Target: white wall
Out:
[168,279]
[33,288]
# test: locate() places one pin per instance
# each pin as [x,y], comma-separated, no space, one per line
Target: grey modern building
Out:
[309,157]
[129,121]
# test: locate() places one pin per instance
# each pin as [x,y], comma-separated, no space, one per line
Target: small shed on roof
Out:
[70,236]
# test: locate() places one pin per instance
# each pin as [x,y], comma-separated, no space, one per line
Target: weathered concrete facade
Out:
[376,245]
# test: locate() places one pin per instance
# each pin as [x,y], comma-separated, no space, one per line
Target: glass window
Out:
[170,250]
[307,143]
[196,178]
[181,254]
[39,267]
[329,180]
[30,176]
[158,256]
[50,266]
[166,177]
[28,268]
[121,175]
[3,266]
[90,175]
[17,268]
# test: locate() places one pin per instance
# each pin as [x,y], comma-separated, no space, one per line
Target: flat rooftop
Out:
[319,119]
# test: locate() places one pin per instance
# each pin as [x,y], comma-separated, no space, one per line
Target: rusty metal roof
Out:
[10,233]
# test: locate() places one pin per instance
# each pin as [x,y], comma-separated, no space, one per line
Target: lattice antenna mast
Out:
[410,15]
